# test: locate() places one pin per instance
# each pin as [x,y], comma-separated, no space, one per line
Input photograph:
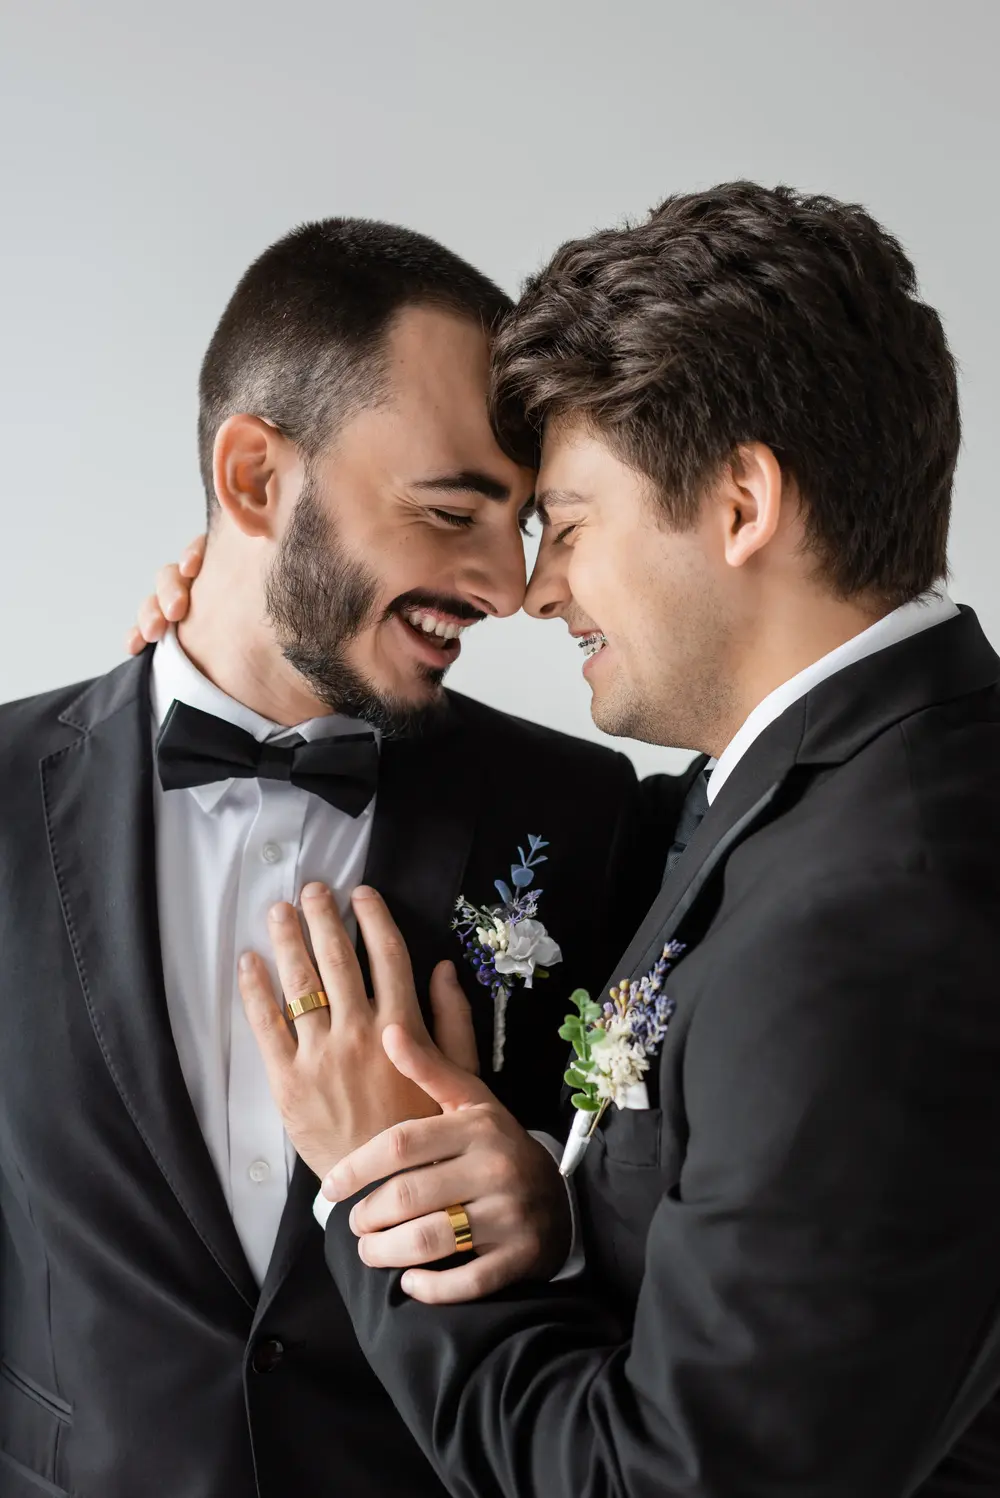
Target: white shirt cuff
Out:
[322,1209]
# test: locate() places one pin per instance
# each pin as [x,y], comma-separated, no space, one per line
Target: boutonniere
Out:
[613,1044]
[505,943]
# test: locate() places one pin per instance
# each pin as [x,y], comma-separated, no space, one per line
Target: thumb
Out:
[447,1084]
[453,1032]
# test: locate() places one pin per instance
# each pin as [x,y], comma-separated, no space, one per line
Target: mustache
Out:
[456,607]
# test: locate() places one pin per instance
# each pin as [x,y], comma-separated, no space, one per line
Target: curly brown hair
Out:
[751,314]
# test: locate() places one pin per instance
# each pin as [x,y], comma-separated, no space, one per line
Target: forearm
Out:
[499,1393]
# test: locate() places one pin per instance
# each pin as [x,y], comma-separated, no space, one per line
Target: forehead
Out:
[437,370]
[435,416]
[577,460]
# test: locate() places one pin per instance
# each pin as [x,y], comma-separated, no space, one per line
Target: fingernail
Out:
[361,1251]
[406,1284]
[246,962]
[280,913]
[352,1219]
[313,891]
[365,892]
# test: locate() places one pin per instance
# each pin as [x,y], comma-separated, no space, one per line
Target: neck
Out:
[790,634]
[226,636]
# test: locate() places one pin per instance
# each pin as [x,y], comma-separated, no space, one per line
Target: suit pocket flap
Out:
[632,1135]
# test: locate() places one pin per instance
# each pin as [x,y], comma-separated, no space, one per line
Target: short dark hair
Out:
[745,314]
[302,340]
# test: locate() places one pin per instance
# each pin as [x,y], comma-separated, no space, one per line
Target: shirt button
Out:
[259,1171]
[270,853]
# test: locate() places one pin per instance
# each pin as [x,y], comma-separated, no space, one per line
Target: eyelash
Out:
[564,533]
[461,521]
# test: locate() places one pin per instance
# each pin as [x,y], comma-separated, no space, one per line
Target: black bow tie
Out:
[195,748]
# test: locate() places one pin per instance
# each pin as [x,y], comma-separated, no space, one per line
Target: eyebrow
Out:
[467,481]
[556,497]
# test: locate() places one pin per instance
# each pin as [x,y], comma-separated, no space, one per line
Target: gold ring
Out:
[459,1219]
[295,1008]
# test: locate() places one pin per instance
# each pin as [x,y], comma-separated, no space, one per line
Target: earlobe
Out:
[247,462]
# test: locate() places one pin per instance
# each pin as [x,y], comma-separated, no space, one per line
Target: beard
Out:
[318,600]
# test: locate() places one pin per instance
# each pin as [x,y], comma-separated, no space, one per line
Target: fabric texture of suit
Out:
[136,1354]
[793,1256]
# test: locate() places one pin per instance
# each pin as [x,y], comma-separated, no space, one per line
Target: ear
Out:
[254,466]
[753,497]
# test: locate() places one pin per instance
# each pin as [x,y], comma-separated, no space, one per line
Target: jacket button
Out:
[267,1355]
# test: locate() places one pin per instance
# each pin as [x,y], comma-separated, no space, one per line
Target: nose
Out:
[547,595]
[498,582]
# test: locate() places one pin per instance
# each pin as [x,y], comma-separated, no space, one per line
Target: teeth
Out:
[430,624]
[591,644]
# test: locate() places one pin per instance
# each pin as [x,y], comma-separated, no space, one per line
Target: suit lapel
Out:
[98,798]
[425,818]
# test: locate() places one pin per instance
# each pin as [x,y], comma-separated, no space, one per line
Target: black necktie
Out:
[692,812]
[195,748]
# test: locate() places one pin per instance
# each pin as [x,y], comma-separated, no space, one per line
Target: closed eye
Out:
[462,520]
[566,531]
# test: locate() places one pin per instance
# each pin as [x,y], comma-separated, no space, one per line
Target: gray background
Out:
[149,152]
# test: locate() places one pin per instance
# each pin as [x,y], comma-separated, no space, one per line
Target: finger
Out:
[392,973]
[172,593]
[152,624]
[266,1018]
[415,1193]
[296,970]
[453,1033]
[425,1240]
[134,643]
[417,1141]
[482,1275]
[192,557]
[335,956]
[448,1085]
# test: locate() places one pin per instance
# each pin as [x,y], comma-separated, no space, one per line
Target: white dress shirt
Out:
[910,619]
[225,853]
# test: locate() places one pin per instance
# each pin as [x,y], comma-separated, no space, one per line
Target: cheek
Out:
[601,574]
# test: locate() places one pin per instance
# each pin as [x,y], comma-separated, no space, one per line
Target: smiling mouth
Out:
[436,636]
[440,630]
[593,644]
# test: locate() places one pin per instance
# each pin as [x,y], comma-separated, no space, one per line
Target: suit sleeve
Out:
[817,1281]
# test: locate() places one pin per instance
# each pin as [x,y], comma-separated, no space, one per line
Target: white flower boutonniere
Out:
[613,1044]
[506,943]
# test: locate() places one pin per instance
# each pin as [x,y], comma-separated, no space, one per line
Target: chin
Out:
[622,717]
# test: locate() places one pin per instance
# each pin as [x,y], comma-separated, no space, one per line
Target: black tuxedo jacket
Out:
[794,1254]
[137,1355]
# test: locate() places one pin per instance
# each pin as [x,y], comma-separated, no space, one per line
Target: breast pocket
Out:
[32,1422]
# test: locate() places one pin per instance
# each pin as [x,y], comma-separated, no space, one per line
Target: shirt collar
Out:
[910,619]
[175,678]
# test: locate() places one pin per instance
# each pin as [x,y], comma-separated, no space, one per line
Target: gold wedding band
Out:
[296,1008]
[459,1219]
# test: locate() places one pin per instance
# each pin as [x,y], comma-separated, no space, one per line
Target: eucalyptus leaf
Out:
[584,1103]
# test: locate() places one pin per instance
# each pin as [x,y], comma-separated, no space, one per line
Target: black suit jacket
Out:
[794,1254]
[136,1354]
